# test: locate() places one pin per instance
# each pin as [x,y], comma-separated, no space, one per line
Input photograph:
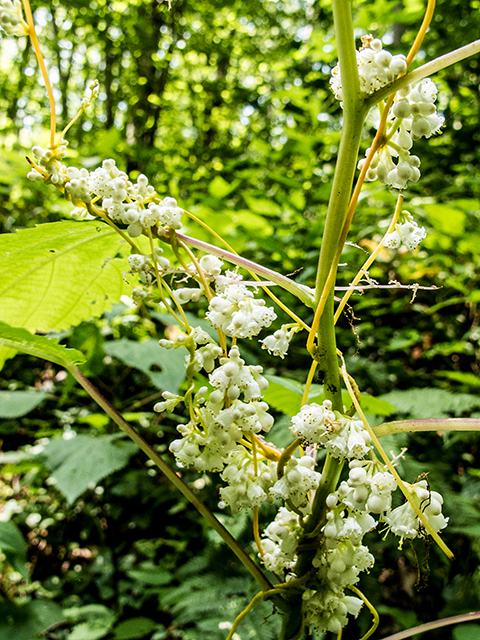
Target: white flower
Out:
[407,233]
[11,18]
[376,68]
[280,541]
[238,313]
[235,377]
[403,520]
[211,265]
[298,479]
[313,422]
[327,611]
[249,483]
[278,343]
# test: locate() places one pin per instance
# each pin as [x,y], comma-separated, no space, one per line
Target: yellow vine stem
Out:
[421,33]
[199,269]
[241,616]
[185,322]
[36,45]
[376,617]
[401,485]
[268,452]
[309,381]
[377,143]
[371,259]
[254,275]
[75,117]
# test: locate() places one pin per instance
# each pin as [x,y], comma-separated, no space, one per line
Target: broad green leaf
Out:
[431,403]
[29,621]
[150,574]
[14,339]
[56,275]
[165,368]
[14,404]
[14,547]
[285,395]
[369,404]
[263,206]
[466,632]
[134,628]
[469,379]
[95,622]
[220,188]
[85,460]
[253,222]
[445,218]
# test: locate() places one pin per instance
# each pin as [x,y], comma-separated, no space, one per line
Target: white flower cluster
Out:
[413,116]
[338,567]
[406,232]
[376,68]
[49,161]
[11,18]
[298,480]
[249,484]
[237,313]
[278,343]
[233,376]
[133,204]
[280,541]
[404,522]
[368,488]
[341,435]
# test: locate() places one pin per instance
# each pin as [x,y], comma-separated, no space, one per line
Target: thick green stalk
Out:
[354,113]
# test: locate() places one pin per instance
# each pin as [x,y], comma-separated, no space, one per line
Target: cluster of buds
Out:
[412,116]
[406,232]
[376,67]
[11,18]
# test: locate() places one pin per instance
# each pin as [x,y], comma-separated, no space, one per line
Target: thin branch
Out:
[300,291]
[437,624]
[424,71]
[436,424]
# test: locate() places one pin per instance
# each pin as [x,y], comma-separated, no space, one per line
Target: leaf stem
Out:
[435,424]
[424,71]
[300,291]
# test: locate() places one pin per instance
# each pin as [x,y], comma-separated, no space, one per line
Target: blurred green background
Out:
[228,109]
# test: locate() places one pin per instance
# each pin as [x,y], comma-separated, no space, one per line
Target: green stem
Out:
[440,424]
[354,113]
[300,291]
[424,71]
[229,540]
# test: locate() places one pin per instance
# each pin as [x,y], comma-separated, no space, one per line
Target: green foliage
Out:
[77,463]
[134,628]
[13,546]
[14,404]
[13,339]
[166,369]
[90,622]
[285,395]
[58,274]
[432,403]
[28,621]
